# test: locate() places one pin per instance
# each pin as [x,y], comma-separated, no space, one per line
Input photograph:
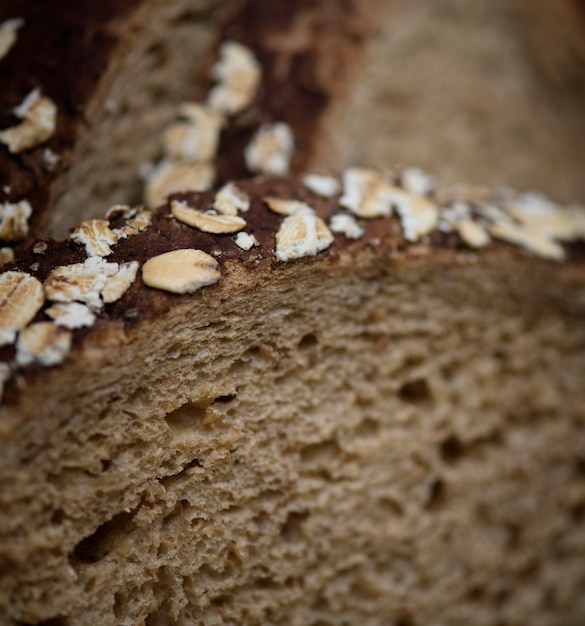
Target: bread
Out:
[115,73]
[374,418]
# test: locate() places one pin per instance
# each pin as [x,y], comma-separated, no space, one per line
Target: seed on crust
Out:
[270,150]
[302,234]
[71,315]
[14,218]
[96,236]
[9,34]
[181,271]
[230,199]
[21,297]
[44,343]
[39,115]
[173,176]
[207,222]
[238,75]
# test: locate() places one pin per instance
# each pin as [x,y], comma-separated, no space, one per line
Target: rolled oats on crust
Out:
[9,34]
[302,234]
[230,199]
[96,236]
[93,282]
[21,298]
[346,225]
[206,221]
[181,271]
[174,176]
[245,241]
[14,218]
[287,207]
[196,139]
[71,315]
[238,75]
[44,343]
[39,115]
[325,186]
[270,150]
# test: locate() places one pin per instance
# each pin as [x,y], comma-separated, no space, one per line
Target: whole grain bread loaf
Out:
[349,397]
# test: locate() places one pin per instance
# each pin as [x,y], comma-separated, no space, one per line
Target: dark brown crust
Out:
[306,49]
[63,50]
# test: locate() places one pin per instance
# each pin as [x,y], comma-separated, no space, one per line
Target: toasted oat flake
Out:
[287,207]
[325,186]
[21,297]
[117,284]
[246,241]
[530,239]
[39,115]
[6,256]
[472,233]
[300,235]
[80,282]
[230,199]
[367,193]
[9,34]
[181,271]
[173,176]
[197,138]
[346,225]
[238,75]
[96,236]
[416,181]
[270,150]
[40,247]
[207,221]
[14,218]
[419,216]
[71,315]
[44,343]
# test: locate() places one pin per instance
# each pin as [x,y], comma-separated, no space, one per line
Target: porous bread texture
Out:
[360,440]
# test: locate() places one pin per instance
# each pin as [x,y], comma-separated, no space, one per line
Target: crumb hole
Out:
[368,428]
[437,494]
[190,416]
[415,391]
[106,463]
[292,529]
[57,517]
[308,342]
[390,507]
[96,546]
[322,453]
[451,449]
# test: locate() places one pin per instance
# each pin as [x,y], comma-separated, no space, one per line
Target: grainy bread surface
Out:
[379,433]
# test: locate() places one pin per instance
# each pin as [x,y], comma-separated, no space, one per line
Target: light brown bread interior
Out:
[364,440]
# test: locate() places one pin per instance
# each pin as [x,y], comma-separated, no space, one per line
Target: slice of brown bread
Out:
[379,432]
[115,72]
